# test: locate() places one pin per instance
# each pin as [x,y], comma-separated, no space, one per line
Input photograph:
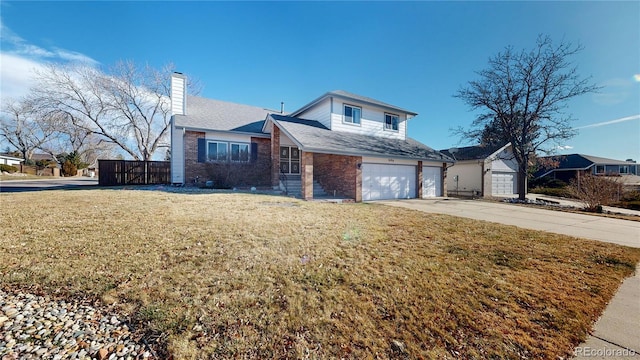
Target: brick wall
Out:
[306,174]
[275,155]
[254,173]
[339,173]
[192,168]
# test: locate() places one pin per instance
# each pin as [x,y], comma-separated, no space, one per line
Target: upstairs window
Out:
[352,114]
[391,122]
[217,151]
[240,152]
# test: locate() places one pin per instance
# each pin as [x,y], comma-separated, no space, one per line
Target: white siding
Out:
[227,137]
[285,141]
[373,160]
[320,112]
[469,175]
[10,162]
[372,122]
[177,155]
[178,101]
[504,162]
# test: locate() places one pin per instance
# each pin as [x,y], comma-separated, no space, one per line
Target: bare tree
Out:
[139,97]
[128,107]
[595,191]
[70,139]
[25,128]
[522,96]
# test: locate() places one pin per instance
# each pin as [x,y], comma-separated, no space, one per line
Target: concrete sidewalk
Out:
[617,333]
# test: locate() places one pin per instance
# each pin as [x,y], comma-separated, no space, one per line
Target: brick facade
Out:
[226,174]
[339,173]
[419,181]
[306,175]
[275,156]
[194,172]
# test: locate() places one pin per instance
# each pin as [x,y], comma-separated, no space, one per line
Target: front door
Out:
[289,160]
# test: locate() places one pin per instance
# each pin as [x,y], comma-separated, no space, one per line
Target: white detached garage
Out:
[482,171]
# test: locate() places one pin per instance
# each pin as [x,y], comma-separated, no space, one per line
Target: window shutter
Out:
[254,151]
[202,150]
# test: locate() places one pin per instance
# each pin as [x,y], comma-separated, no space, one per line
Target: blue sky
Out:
[411,54]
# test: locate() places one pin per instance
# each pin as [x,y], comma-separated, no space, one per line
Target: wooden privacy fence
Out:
[127,172]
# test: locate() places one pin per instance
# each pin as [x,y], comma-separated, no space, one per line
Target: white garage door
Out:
[432,181]
[388,181]
[503,183]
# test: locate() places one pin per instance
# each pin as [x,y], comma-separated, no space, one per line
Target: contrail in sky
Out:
[604,123]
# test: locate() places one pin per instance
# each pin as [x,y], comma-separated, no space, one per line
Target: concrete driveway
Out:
[622,232]
[616,334]
[46,184]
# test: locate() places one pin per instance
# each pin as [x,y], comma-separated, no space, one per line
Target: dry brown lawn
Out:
[252,276]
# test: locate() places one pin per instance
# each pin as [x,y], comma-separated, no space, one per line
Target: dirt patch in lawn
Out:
[255,276]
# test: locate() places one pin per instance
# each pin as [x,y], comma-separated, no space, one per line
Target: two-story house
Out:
[339,144]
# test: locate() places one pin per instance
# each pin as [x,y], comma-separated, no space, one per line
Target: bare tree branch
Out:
[127,107]
[522,96]
[25,128]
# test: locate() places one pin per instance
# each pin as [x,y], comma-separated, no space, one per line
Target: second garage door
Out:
[388,182]
[432,179]
[503,183]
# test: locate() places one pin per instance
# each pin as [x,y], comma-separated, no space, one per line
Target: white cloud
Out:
[564,147]
[614,91]
[19,58]
[610,122]
[74,56]
[17,75]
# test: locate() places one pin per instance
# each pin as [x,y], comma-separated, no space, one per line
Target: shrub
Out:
[630,200]
[8,168]
[558,192]
[546,182]
[595,191]
[228,175]
[69,169]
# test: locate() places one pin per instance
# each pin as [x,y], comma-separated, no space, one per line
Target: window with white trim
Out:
[216,151]
[599,169]
[352,114]
[624,169]
[391,122]
[239,152]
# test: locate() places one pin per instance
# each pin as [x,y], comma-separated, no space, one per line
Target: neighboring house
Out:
[10,160]
[339,144]
[566,167]
[44,157]
[482,171]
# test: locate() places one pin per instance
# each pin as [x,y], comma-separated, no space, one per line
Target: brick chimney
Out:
[178,94]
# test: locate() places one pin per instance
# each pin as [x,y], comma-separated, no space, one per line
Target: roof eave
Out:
[193,128]
[332,94]
[388,156]
[387,107]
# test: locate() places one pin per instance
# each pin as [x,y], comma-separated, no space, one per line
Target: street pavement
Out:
[47,184]
[616,334]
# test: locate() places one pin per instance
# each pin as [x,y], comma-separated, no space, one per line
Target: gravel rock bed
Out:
[38,327]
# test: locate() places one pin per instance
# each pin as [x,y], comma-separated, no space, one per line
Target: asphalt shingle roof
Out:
[313,136]
[222,115]
[579,162]
[476,152]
